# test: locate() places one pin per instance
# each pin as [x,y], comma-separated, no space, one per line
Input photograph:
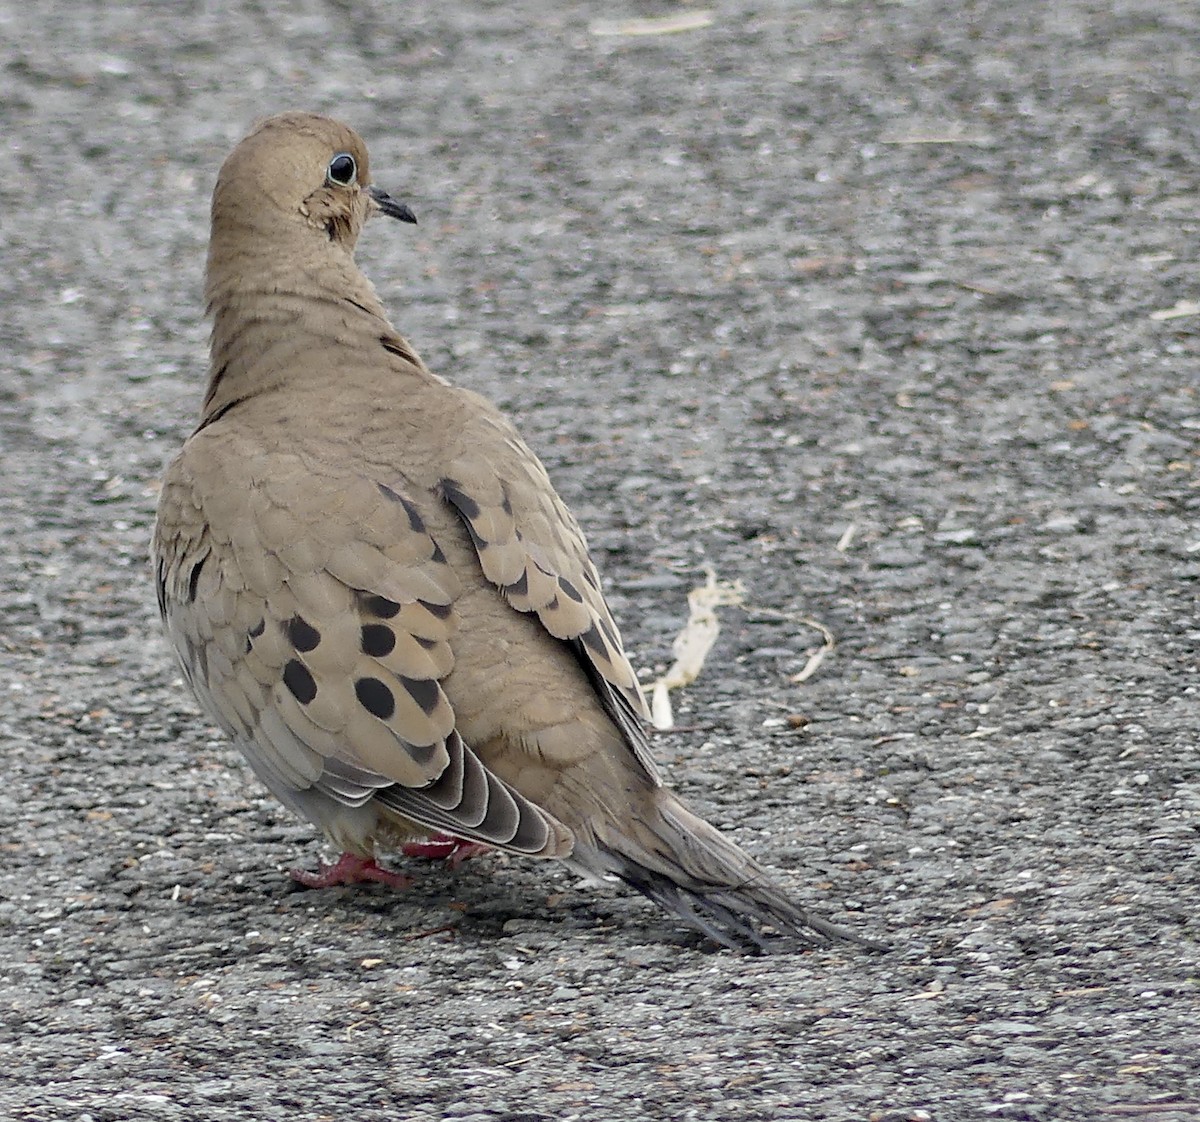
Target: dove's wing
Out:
[314,614]
[531,548]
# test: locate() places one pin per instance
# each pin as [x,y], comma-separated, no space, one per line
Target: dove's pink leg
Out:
[454,851]
[350,869]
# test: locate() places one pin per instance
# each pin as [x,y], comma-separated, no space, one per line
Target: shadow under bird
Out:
[375,590]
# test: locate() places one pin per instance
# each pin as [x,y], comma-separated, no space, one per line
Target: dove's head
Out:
[295,177]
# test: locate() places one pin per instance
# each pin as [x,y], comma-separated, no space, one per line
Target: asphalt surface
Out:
[857,303]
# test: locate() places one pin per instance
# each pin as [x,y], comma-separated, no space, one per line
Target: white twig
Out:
[1180,308]
[663,25]
[818,656]
[692,644]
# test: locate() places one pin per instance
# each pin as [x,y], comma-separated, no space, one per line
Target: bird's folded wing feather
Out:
[532,549]
[318,613]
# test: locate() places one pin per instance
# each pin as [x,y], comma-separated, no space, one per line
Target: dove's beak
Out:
[385,204]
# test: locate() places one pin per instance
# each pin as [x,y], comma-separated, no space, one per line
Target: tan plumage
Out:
[374,588]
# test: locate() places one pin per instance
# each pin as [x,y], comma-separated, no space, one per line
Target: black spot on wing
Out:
[212,418]
[380,606]
[415,521]
[467,507]
[594,642]
[160,586]
[218,376]
[570,590]
[440,611]
[610,633]
[254,633]
[299,681]
[394,345]
[302,635]
[194,578]
[460,500]
[375,697]
[424,691]
[378,640]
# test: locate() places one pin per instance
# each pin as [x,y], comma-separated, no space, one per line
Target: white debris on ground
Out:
[692,644]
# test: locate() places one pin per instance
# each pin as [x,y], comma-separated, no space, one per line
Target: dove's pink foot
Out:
[443,847]
[350,869]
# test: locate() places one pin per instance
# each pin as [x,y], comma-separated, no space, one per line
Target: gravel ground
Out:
[853,302]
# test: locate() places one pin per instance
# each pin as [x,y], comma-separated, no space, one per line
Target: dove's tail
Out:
[692,871]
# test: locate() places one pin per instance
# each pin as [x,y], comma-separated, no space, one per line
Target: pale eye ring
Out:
[342,170]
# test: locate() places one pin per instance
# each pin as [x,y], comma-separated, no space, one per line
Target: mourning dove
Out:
[374,589]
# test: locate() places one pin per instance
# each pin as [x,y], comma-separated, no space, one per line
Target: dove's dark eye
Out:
[342,170]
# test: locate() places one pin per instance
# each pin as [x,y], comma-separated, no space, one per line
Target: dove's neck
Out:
[276,316]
